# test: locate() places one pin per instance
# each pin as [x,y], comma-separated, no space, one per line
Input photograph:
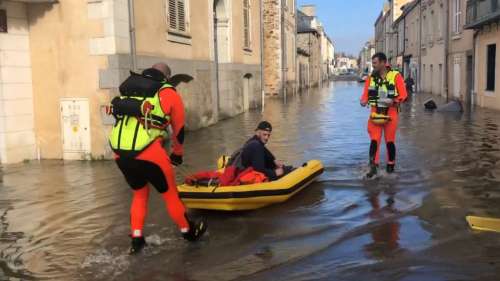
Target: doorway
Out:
[247,89]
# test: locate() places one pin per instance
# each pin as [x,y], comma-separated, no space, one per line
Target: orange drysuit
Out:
[389,129]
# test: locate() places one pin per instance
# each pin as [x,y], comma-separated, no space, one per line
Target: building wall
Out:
[412,33]
[273,65]
[236,61]
[17,135]
[279,46]
[433,47]
[63,67]
[310,42]
[412,43]
[460,46]
[380,33]
[303,71]
[81,50]
[487,35]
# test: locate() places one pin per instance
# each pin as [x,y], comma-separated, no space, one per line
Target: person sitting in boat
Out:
[253,163]
[254,154]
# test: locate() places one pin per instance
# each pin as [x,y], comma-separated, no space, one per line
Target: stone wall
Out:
[279,50]
[17,136]
[272,47]
[310,42]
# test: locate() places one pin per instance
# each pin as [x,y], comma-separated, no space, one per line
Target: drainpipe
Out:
[216,58]
[419,84]
[131,25]
[446,51]
[474,78]
[263,95]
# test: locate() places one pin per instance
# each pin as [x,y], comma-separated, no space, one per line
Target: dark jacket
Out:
[256,155]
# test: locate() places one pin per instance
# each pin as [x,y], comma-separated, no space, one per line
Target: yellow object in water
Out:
[483,223]
[250,197]
[379,119]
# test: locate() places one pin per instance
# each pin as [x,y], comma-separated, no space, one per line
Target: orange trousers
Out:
[152,166]
[389,130]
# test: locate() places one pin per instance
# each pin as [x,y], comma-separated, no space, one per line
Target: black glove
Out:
[175,159]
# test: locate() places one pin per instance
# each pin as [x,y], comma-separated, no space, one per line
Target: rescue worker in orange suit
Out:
[144,110]
[384,91]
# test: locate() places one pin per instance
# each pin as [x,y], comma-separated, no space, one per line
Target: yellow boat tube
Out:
[250,197]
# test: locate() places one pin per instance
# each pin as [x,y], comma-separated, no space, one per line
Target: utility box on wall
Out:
[75,124]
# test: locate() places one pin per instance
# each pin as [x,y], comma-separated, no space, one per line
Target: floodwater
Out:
[69,220]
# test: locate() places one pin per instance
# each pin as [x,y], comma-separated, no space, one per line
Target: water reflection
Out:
[386,235]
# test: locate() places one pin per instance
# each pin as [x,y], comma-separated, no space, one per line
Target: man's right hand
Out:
[279,172]
[175,159]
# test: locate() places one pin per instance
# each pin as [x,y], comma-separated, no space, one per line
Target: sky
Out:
[349,23]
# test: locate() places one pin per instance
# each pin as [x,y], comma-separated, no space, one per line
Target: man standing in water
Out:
[384,91]
[146,107]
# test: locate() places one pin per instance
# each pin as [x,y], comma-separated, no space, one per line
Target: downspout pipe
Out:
[216,57]
[474,73]
[420,74]
[446,51]
[131,25]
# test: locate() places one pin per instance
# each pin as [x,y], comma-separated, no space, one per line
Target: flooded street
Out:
[70,221]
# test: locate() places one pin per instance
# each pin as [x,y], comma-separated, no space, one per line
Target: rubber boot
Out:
[373,171]
[390,168]
[137,244]
[196,230]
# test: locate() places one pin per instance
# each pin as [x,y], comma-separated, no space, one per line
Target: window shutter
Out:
[181,14]
[3,21]
[172,14]
[246,23]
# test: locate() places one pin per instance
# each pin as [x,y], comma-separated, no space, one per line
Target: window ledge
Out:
[489,93]
[456,36]
[247,50]
[180,38]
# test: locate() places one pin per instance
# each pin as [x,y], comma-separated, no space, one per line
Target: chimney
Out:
[309,10]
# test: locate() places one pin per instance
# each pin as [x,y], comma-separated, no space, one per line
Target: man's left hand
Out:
[279,164]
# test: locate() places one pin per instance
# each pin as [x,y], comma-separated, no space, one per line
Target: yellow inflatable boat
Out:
[250,197]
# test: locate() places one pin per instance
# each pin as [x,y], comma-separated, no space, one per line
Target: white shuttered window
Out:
[177,16]
[246,24]
[457,13]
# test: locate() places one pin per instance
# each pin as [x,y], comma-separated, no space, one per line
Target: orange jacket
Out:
[172,105]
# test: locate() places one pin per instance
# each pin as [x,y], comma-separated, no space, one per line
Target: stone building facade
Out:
[279,23]
[460,52]
[412,48]
[309,41]
[62,62]
[433,46]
